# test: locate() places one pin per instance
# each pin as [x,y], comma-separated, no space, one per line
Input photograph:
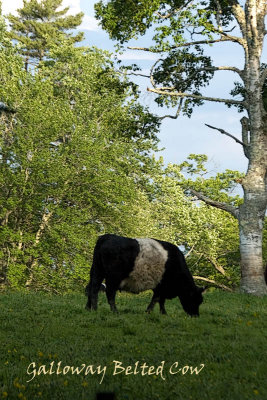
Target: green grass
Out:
[229,338]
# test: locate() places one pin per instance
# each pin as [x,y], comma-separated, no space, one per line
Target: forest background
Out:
[79,158]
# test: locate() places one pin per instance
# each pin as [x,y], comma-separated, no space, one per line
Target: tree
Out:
[182,29]
[208,236]
[74,162]
[40,25]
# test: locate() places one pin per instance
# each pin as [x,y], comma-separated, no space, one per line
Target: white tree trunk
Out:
[252,271]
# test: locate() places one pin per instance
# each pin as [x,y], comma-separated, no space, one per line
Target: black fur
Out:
[114,259]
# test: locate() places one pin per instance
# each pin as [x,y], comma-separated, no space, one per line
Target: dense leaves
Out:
[41,24]
[76,161]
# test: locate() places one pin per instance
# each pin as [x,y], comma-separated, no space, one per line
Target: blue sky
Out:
[182,136]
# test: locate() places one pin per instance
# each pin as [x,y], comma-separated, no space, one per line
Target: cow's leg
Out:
[93,288]
[162,305]
[94,293]
[111,293]
[88,293]
[154,300]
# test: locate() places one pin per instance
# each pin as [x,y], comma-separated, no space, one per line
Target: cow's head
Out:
[192,300]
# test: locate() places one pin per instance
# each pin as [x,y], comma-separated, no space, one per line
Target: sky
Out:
[182,136]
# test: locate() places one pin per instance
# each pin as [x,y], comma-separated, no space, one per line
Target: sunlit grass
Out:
[54,332]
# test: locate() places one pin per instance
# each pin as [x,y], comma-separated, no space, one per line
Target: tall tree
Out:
[182,29]
[40,25]
[73,163]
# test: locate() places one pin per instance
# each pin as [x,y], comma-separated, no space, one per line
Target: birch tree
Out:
[182,29]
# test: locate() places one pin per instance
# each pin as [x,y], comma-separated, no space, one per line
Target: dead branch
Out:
[164,91]
[217,204]
[227,134]
[220,285]
[177,112]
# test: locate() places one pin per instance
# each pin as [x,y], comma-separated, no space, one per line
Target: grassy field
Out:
[44,338]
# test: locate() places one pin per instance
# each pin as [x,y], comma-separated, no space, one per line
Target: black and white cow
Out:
[135,265]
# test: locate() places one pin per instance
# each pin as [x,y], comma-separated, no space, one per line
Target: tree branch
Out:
[151,72]
[177,112]
[225,68]
[44,222]
[218,267]
[164,91]
[239,16]
[220,285]
[136,74]
[220,68]
[190,251]
[224,38]
[217,204]
[227,134]
[4,220]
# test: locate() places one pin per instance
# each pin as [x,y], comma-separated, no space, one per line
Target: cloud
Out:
[10,6]
[89,24]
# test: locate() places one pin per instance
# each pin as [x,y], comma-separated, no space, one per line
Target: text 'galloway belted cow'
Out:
[136,265]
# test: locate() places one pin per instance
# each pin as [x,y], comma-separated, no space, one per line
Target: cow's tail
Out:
[96,262]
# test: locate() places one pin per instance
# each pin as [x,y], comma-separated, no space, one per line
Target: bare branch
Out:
[190,251]
[145,49]
[151,72]
[218,267]
[224,38]
[177,112]
[217,204]
[164,16]
[4,220]
[220,68]
[136,74]
[44,222]
[220,285]
[165,91]
[227,134]
[225,68]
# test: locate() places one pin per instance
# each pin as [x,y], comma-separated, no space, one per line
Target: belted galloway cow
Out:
[136,265]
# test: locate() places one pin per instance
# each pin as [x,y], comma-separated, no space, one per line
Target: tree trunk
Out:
[252,211]
[250,231]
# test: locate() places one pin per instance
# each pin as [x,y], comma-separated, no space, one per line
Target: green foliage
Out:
[74,163]
[184,71]
[208,235]
[175,23]
[40,25]
[229,337]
